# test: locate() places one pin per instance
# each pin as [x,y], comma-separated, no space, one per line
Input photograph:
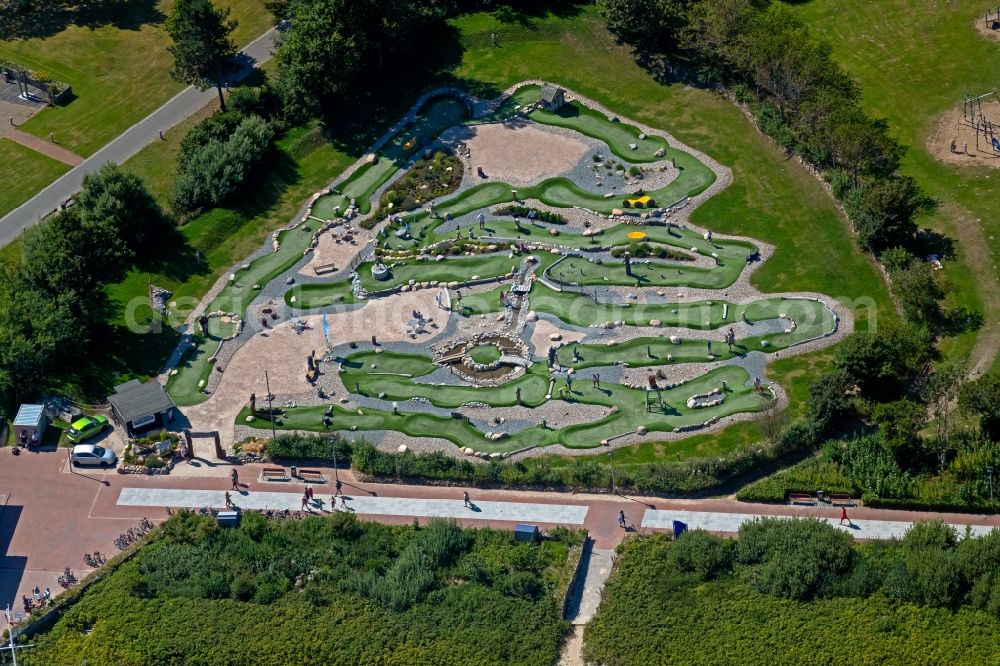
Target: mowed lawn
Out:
[772,199]
[915,61]
[24,172]
[119,74]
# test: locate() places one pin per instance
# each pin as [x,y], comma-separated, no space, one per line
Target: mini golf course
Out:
[584,298]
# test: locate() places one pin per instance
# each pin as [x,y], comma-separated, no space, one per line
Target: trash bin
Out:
[525,532]
[228,518]
[295,472]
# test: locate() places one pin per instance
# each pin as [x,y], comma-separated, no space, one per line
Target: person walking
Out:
[338,491]
[467,501]
[621,519]
[843,516]
[229,500]
[343,501]
[236,479]
[305,502]
[597,380]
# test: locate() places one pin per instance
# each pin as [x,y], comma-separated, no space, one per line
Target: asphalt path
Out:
[127,144]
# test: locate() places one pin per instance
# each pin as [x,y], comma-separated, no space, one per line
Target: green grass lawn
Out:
[914,64]
[218,240]
[772,198]
[24,172]
[119,73]
[485,353]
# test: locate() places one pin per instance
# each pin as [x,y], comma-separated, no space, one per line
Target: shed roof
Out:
[135,400]
[29,415]
[550,92]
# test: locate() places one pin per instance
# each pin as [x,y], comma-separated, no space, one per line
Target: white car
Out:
[91,454]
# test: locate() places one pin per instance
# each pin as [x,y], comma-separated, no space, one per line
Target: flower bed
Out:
[155,454]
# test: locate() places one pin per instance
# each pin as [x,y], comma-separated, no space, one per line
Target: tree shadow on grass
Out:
[426,63]
[524,12]
[38,19]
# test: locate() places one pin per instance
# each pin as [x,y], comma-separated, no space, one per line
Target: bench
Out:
[324,269]
[274,474]
[312,476]
[801,498]
[841,500]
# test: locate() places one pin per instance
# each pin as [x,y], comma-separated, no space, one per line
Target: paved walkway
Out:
[521,512]
[127,144]
[596,565]
[730,523]
[55,514]
[53,150]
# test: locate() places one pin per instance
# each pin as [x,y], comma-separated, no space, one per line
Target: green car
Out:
[85,427]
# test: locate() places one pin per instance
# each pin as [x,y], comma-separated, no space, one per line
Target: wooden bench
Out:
[801,498]
[841,500]
[312,476]
[274,474]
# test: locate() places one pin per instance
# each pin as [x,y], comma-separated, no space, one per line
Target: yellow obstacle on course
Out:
[644,201]
[636,235]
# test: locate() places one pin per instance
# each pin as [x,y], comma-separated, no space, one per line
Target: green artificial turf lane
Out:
[438,115]
[572,308]
[627,406]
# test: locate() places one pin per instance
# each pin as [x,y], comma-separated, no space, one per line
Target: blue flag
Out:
[326,329]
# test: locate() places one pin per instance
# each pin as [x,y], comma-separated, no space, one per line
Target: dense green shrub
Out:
[582,473]
[217,168]
[281,592]
[549,216]
[296,446]
[808,476]
[427,179]
[800,592]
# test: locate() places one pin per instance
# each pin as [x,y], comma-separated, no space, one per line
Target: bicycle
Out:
[67,580]
[94,560]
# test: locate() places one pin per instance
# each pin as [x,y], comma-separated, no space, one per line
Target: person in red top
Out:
[843,516]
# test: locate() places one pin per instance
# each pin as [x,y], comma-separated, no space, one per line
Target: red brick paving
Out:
[54,516]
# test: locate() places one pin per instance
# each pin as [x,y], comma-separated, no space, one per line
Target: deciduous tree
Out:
[203,50]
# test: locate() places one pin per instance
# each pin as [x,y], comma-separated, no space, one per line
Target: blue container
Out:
[679,528]
[228,518]
[525,532]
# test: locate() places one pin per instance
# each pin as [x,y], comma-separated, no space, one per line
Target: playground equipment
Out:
[993,18]
[973,117]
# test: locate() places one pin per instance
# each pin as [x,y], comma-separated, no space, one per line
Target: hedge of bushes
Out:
[808,476]
[523,212]
[883,476]
[583,473]
[320,591]
[798,592]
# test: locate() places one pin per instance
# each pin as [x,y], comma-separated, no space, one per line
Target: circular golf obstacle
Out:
[485,358]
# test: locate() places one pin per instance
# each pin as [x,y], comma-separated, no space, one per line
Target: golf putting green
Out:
[392,389]
[627,406]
